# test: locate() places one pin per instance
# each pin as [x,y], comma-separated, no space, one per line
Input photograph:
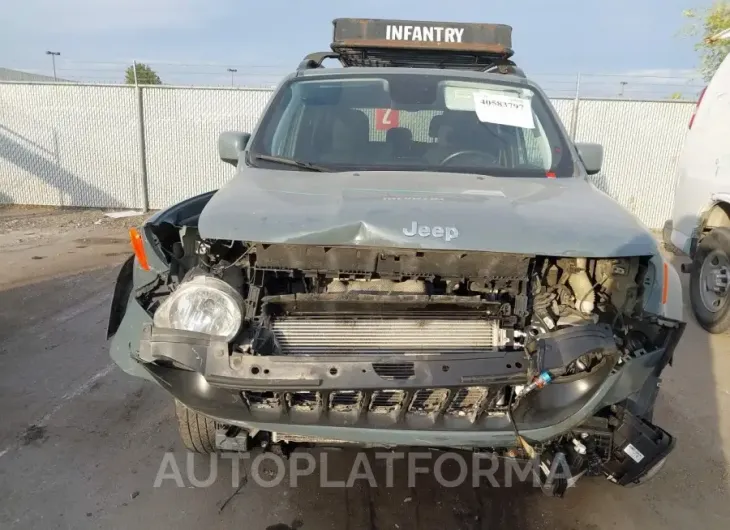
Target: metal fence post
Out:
[576,107]
[142,143]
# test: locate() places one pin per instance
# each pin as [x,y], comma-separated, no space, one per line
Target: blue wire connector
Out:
[539,382]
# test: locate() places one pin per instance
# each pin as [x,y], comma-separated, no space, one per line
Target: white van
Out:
[700,224]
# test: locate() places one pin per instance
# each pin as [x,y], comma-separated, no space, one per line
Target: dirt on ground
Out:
[14,217]
[39,242]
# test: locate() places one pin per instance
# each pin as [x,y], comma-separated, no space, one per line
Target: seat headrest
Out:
[399,134]
[352,117]
[436,123]
[352,124]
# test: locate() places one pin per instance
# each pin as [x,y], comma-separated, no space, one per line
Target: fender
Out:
[688,243]
[122,290]
[182,213]
[664,295]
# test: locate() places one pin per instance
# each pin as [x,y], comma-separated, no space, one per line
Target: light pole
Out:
[53,60]
[233,72]
[623,84]
[723,35]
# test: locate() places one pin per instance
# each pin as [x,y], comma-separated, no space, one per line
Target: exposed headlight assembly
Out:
[204,304]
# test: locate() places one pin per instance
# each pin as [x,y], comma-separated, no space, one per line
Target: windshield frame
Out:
[568,166]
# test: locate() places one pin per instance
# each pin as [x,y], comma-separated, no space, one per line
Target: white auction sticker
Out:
[504,109]
[636,455]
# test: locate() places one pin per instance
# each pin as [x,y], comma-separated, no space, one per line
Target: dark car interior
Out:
[345,135]
[333,123]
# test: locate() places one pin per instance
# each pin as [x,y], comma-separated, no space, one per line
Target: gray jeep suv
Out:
[409,254]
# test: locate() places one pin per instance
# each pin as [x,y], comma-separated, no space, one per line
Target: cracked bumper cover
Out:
[198,370]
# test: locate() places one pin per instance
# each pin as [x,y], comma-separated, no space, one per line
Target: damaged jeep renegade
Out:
[410,253]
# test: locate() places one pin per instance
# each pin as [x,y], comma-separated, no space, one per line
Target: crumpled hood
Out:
[450,211]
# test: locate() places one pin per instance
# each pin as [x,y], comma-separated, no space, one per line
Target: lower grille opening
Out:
[385,401]
[345,400]
[302,400]
[498,401]
[393,371]
[428,400]
[452,406]
[262,399]
[467,401]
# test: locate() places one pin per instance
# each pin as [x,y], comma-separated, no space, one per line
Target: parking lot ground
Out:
[81,443]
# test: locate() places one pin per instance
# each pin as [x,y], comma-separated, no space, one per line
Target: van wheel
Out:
[709,278]
[197,431]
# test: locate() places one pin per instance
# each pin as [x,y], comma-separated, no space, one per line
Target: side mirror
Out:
[231,144]
[592,156]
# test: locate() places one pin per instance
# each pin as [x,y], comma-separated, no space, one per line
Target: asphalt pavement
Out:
[82,443]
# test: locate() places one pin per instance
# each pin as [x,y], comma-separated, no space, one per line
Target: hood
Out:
[422,210]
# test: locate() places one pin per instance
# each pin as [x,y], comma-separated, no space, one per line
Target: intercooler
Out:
[416,333]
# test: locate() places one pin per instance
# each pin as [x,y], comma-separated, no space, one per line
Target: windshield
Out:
[412,122]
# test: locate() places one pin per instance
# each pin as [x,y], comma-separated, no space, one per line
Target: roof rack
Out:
[315,60]
[419,44]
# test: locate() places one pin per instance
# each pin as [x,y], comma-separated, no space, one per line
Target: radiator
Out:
[317,335]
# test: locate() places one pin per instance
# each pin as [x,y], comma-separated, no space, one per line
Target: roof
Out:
[6,74]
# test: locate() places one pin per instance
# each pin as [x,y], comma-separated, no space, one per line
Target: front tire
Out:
[197,431]
[708,288]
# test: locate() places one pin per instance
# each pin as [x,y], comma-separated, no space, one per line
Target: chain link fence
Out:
[116,146]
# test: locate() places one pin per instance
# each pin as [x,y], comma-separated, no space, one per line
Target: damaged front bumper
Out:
[450,401]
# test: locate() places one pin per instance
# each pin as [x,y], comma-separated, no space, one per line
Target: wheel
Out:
[708,287]
[197,431]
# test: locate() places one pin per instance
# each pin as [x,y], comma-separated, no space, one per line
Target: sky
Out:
[637,42]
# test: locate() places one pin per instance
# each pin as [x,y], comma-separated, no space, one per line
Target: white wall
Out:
[69,145]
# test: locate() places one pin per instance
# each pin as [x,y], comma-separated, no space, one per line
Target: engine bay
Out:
[415,339]
[423,340]
[426,300]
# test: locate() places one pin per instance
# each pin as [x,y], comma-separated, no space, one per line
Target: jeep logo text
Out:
[446,232]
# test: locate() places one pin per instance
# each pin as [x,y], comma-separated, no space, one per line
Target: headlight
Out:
[203,304]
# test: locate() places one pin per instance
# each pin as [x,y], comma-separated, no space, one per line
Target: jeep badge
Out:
[446,232]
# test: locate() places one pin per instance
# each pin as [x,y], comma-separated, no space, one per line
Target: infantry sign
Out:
[373,33]
[423,33]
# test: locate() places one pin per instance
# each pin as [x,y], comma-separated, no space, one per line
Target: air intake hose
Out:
[582,287]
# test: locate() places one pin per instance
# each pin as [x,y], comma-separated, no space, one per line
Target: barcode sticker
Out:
[634,453]
[504,109]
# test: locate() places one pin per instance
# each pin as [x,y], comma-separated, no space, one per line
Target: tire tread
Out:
[196,430]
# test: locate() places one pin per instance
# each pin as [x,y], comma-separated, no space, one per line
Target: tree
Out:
[145,75]
[708,23]
[676,95]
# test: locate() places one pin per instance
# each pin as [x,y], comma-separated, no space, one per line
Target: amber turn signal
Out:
[138,248]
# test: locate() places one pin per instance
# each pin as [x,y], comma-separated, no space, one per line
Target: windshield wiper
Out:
[309,166]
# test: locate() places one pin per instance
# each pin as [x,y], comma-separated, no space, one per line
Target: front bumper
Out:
[391,400]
